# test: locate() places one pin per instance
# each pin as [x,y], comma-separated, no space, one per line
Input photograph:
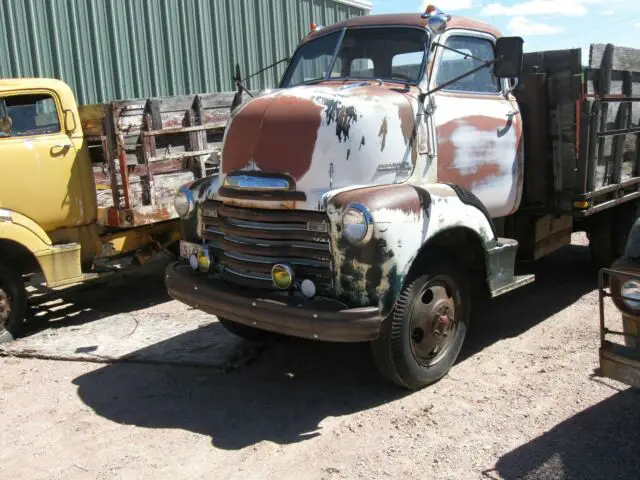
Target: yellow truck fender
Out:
[15,226]
[60,264]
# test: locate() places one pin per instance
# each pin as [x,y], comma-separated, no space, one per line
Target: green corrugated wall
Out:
[117,49]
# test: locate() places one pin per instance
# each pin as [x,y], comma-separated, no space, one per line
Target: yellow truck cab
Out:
[77,189]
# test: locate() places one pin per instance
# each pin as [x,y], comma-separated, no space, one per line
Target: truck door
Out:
[477,126]
[39,175]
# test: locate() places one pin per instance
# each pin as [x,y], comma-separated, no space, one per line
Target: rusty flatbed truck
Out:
[87,190]
[405,162]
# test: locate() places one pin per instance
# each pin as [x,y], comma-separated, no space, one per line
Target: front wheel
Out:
[13,304]
[423,335]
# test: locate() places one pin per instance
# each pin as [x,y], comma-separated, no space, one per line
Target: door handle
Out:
[63,145]
[510,115]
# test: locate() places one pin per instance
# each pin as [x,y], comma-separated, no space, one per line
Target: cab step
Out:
[502,260]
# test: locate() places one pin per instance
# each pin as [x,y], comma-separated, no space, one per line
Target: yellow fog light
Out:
[204,261]
[282,276]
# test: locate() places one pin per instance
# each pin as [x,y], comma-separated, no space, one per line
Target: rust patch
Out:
[288,136]
[383,133]
[407,125]
[486,166]
[406,19]
[401,196]
[336,112]
[242,135]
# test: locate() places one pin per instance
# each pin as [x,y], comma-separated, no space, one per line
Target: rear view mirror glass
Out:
[508,57]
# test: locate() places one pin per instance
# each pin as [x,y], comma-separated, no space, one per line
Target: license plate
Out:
[187,249]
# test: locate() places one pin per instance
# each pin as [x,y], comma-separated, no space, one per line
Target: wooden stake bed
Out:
[143,150]
[582,147]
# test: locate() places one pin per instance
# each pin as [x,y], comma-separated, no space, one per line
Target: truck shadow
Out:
[561,279]
[282,397]
[289,389]
[141,288]
[599,442]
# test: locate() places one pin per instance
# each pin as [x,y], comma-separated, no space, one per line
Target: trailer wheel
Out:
[13,304]
[423,335]
[244,331]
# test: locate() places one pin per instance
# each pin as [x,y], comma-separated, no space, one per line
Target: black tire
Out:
[405,337]
[244,331]
[13,303]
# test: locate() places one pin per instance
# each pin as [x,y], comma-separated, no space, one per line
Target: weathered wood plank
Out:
[553,61]
[623,58]
[622,122]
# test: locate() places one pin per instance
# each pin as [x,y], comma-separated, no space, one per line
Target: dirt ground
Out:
[522,401]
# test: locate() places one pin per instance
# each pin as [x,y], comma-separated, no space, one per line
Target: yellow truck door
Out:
[40,176]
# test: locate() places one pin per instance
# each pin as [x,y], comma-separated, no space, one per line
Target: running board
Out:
[502,260]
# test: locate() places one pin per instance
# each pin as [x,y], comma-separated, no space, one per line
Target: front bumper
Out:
[319,319]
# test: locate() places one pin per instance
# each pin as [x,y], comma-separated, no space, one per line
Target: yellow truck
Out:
[86,190]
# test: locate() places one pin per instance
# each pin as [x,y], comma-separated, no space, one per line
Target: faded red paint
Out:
[404,19]
[398,196]
[486,166]
[288,136]
[278,133]
[242,135]
[407,125]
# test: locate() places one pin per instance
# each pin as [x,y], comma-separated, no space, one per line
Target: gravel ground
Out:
[522,401]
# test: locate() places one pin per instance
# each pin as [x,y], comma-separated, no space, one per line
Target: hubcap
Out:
[433,322]
[5,307]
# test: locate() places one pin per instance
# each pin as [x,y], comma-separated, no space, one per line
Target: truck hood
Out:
[324,138]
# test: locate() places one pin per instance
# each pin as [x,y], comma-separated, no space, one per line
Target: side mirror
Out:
[508,57]
[69,121]
[5,126]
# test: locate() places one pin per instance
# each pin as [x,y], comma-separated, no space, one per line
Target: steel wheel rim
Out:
[433,321]
[5,307]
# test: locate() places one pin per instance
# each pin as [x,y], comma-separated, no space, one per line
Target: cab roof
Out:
[7,84]
[403,19]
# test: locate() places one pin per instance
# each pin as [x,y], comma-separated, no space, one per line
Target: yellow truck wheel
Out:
[13,303]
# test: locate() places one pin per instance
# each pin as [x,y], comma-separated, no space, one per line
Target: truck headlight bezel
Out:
[183,202]
[630,294]
[357,224]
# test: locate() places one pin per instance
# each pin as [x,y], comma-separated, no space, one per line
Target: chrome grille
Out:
[248,242]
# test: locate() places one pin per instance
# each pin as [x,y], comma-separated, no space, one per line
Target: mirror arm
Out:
[459,52]
[460,77]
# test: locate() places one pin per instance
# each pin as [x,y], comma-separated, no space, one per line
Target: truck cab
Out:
[356,202]
[88,190]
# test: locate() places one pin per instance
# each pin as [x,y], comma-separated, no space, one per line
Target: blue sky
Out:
[544,24]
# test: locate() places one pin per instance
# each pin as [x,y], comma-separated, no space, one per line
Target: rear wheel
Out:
[423,335]
[244,331]
[13,304]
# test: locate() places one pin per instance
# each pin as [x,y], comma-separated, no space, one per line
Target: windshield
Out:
[385,53]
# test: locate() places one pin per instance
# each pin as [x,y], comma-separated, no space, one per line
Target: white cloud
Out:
[567,8]
[521,26]
[608,12]
[449,5]
[637,25]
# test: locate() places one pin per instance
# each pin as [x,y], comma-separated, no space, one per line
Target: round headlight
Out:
[183,202]
[357,224]
[630,292]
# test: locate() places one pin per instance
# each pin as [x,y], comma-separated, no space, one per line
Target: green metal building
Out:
[118,49]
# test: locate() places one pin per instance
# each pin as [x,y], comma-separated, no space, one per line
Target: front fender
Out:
[405,218]
[24,231]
